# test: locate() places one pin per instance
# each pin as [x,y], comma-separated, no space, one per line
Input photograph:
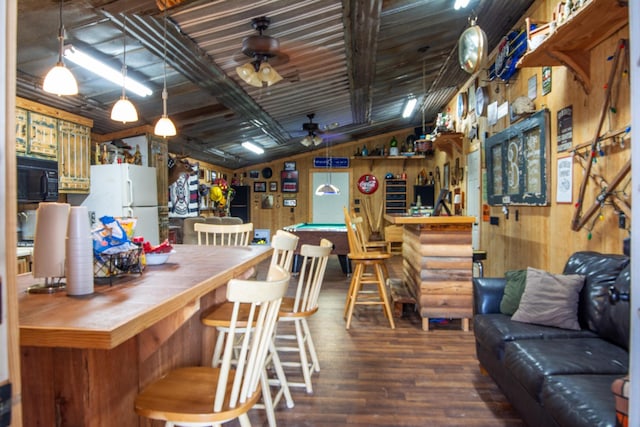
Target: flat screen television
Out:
[441,203]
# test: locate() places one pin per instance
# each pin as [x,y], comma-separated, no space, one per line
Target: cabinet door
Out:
[43,136]
[74,154]
[22,124]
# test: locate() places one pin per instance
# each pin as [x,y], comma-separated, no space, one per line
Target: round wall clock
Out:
[481,100]
[472,48]
[462,105]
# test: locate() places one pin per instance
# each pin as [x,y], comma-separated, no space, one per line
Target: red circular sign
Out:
[368,184]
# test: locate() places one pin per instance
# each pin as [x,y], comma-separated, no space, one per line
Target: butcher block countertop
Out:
[409,219]
[115,313]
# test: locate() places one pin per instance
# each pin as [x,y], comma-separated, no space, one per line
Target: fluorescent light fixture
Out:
[105,71]
[461,4]
[253,147]
[409,106]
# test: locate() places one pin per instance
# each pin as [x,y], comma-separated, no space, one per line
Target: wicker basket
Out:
[111,265]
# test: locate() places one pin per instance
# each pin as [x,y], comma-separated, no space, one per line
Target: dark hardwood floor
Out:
[372,375]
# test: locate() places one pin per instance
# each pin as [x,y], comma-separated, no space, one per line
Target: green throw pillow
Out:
[513,291]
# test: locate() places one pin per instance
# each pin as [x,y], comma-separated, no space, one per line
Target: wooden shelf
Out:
[415,156]
[449,141]
[570,43]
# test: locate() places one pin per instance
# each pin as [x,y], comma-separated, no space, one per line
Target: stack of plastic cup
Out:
[79,253]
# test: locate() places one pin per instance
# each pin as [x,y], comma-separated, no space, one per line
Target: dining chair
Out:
[298,309]
[284,245]
[370,269]
[224,234]
[205,395]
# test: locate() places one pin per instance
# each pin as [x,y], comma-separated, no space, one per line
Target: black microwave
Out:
[37,180]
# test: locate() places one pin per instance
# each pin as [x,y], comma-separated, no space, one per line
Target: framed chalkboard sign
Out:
[517,165]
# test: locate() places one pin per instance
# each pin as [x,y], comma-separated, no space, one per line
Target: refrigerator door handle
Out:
[129,183]
[128,211]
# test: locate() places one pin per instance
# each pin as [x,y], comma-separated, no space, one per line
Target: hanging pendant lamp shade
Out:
[164,126]
[327,189]
[124,111]
[59,79]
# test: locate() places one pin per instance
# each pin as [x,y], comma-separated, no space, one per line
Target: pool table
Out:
[312,233]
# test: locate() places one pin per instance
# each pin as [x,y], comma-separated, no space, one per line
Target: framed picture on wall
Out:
[273,186]
[289,166]
[289,181]
[260,187]
[290,203]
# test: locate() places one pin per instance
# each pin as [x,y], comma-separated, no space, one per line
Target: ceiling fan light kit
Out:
[311,128]
[260,48]
[59,80]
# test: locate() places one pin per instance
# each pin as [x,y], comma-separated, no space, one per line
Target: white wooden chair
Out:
[224,234]
[284,245]
[204,395]
[298,309]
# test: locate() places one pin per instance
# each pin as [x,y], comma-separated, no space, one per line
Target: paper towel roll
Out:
[49,241]
[79,251]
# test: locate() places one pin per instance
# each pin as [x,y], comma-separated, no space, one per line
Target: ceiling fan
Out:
[312,129]
[264,52]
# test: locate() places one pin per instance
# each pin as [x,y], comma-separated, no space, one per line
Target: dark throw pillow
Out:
[550,299]
[513,290]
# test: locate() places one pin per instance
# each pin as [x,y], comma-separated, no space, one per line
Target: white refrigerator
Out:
[123,190]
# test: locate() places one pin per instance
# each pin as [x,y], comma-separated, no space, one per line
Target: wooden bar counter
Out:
[84,359]
[438,265]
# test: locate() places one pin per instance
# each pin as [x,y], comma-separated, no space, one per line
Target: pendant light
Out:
[327,189]
[59,79]
[124,111]
[164,126]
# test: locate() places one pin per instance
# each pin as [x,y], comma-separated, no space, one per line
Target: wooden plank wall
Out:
[542,237]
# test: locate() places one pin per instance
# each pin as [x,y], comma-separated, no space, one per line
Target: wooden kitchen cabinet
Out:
[74,152]
[48,133]
[159,158]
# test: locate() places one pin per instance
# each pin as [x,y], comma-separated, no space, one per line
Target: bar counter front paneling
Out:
[84,359]
[437,265]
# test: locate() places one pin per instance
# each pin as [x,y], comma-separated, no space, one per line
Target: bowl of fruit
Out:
[157,255]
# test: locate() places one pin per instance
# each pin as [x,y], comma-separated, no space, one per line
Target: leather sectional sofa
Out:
[555,376]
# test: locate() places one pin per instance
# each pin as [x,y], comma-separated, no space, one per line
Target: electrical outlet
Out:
[622,220]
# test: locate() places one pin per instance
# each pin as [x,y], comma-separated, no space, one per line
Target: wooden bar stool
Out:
[365,260]
[204,395]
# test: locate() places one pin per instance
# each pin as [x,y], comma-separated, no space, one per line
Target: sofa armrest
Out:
[487,294]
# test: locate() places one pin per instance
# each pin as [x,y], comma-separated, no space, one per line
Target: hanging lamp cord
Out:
[164,65]
[124,55]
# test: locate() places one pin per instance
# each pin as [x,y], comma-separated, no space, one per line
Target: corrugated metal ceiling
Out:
[352,63]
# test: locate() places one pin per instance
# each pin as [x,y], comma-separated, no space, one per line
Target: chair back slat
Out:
[284,245]
[224,234]
[314,264]
[263,299]
[355,242]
